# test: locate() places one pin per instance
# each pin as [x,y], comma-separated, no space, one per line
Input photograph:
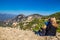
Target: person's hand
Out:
[44,27]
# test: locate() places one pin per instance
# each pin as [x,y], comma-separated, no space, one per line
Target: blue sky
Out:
[43,7]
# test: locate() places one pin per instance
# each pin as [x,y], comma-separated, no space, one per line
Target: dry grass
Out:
[16,34]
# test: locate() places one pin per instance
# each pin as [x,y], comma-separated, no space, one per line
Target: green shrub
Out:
[40,24]
[58,29]
[21,25]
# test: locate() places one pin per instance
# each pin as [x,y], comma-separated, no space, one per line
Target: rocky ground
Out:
[16,34]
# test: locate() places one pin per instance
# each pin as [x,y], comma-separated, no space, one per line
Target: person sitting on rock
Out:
[51,27]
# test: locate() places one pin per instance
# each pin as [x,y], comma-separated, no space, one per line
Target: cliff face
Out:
[17,34]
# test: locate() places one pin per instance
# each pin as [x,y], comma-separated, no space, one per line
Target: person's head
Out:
[52,20]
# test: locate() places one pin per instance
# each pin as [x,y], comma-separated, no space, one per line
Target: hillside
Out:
[22,17]
[17,34]
[57,15]
[26,22]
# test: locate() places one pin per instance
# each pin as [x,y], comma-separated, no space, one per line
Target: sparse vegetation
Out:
[35,24]
[58,21]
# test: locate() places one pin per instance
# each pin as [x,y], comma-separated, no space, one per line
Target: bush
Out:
[40,24]
[58,29]
[29,26]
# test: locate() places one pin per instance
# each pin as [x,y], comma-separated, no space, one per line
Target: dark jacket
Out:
[50,30]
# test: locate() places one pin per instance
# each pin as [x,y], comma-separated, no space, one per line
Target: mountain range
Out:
[5,16]
[9,19]
[22,17]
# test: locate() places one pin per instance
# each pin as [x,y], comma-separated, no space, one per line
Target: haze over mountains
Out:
[6,16]
[25,22]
